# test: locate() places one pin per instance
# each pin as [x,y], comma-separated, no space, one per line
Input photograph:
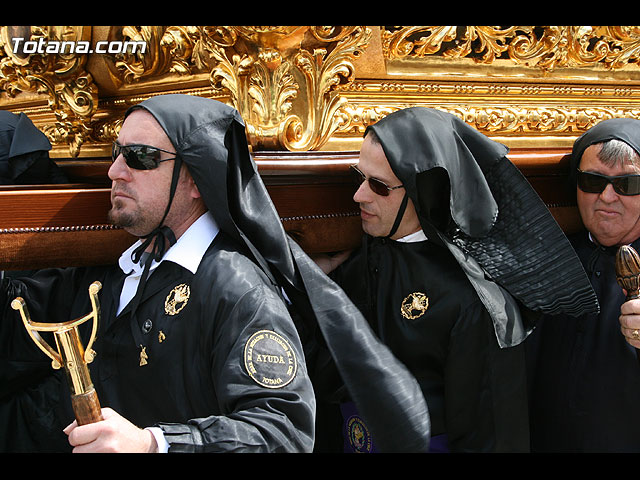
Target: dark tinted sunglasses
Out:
[378,186]
[591,182]
[140,157]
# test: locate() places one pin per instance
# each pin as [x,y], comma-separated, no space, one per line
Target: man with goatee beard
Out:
[197,350]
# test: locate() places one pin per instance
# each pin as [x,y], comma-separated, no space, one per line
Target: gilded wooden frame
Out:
[307,88]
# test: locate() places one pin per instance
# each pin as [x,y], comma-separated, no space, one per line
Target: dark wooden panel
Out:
[67,225]
[34,249]
[54,207]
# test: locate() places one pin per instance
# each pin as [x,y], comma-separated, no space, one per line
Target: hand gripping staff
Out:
[70,354]
[628,274]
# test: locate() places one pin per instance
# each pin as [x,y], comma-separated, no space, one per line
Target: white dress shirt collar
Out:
[418,236]
[186,252]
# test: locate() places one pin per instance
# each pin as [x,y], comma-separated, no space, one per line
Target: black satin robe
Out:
[195,385]
[585,378]
[475,391]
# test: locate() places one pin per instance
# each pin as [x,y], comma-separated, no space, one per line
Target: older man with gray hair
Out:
[585,377]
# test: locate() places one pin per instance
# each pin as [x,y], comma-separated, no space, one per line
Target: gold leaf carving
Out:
[283,80]
[543,47]
[502,120]
[59,75]
[168,50]
[305,88]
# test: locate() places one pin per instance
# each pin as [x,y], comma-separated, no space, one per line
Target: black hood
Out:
[469,196]
[210,138]
[625,129]
[18,135]
[24,152]
[421,143]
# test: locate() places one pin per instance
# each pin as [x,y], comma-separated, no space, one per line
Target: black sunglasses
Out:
[139,157]
[378,186]
[591,182]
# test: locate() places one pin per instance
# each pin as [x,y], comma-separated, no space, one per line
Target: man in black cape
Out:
[585,372]
[179,341]
[460,256]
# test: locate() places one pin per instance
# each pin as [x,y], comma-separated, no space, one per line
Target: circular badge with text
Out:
[358,435]
[269,359]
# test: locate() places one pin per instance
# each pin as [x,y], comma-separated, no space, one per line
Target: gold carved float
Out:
[307,94]
[316,88]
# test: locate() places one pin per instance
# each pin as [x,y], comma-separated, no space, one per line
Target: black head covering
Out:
[469,196]
[625,129]
[210,138]
[24,152]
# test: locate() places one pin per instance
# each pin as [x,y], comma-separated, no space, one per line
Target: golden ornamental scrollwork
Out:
[50,69]
[543,47]
[167,49]
[283,80]
[448,41]
[303,88]
[497,120]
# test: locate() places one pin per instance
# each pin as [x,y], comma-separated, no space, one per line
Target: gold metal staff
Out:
[70,354]
[628,275]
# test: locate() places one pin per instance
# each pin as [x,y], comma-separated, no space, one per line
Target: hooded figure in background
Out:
[179,356]
[585,379]
[24,153]
[453,287]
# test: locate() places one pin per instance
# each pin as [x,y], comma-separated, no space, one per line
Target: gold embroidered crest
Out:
[414,305]
[177,299]
[269,359]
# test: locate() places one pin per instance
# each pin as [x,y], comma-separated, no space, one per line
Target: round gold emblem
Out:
[269,359]
[177,299]
[414,305]
[358,434]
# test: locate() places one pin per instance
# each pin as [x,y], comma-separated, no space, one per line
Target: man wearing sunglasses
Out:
[196,340]
[586,377]
[449,273]
[177,315]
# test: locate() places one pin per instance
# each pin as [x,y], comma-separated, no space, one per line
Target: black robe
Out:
[196,385]
[585,378]
[475,391]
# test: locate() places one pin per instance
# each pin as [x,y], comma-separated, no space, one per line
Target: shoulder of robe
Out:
[232,270]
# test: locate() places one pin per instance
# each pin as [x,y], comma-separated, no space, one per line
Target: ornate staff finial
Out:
[70,354]
[628,271]
[628,277]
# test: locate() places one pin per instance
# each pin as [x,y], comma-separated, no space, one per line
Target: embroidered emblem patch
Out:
[177,299]
[414,305]
[358,435]
[269,359]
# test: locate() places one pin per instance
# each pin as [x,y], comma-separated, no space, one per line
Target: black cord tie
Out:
[401,210]
[161,234]
[163,238]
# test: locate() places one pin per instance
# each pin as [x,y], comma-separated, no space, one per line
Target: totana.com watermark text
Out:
[70,47]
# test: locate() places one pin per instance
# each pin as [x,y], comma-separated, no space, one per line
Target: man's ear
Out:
[195,192]
[192,188]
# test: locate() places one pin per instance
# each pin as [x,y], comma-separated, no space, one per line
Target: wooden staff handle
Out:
[86,407]
[628,274]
